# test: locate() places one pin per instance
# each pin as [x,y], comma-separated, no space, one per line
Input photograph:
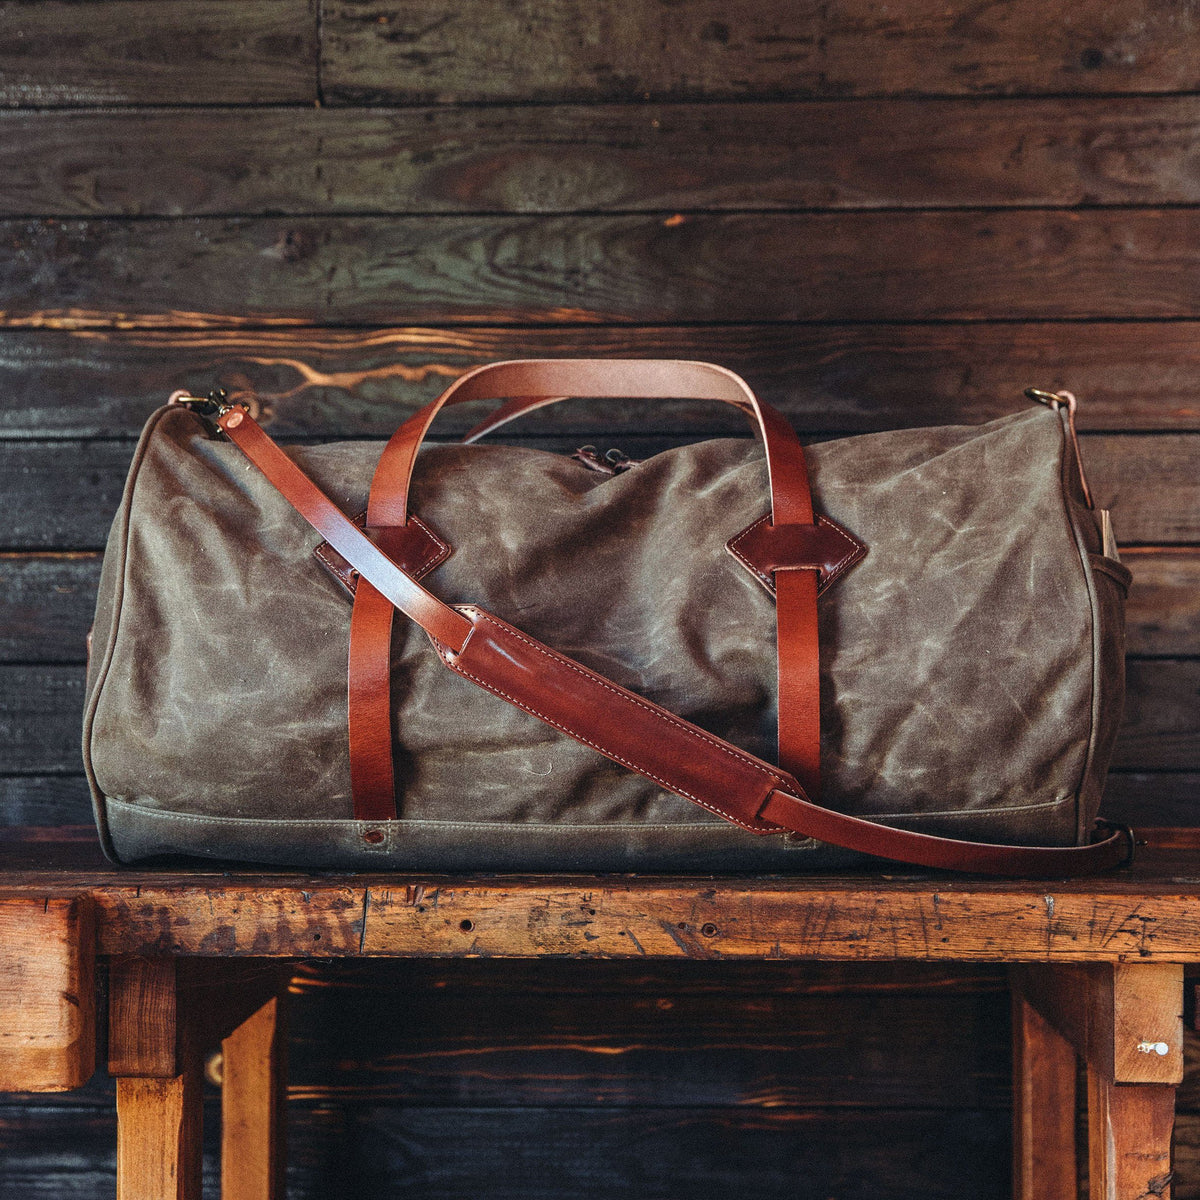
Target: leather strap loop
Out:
[630,729]
[548,380]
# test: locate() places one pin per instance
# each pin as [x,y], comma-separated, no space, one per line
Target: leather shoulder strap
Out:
[629,729]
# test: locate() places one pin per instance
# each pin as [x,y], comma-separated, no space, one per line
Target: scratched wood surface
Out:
[1063,264]
[882,216]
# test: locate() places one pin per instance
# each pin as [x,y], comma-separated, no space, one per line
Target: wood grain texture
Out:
[661,1154]
[62,495]
[1161,723]
[158,1138]
[145,1018]
[345,1153]
[253,1106]
[1146,915]
[322,382]
[630,1041]
[1162,616]
[379,50]
[44,800]
[46,606]
[1125,1019]
[1129,1143]
[1153,798]
[1044,1068]
[822,154]
[204,272]
[47,993]
[165,52]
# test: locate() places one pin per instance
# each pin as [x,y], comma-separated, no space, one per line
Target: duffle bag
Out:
[482,657]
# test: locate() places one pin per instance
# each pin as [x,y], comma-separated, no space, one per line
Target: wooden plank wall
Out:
[882,215]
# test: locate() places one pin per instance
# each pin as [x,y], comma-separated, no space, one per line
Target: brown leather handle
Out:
[548,380]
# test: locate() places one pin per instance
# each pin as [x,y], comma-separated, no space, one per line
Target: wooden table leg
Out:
[158,1069]
[1127,1021]
[254,1104]
[1044,1070]
[47,993]
[163,1015]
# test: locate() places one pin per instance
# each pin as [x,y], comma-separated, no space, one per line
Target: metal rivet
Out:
[234,420]
[374,836]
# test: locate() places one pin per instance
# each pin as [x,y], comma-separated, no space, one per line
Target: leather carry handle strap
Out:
[630,729]
[548,380]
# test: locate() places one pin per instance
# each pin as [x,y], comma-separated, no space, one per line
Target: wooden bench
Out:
[199,957]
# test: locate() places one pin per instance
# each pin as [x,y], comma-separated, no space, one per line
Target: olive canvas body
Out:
[971,665]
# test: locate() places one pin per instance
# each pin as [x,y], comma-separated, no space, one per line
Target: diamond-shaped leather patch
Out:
[763,548]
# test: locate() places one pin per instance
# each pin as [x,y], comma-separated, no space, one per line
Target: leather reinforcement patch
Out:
[414,548]
[763,548]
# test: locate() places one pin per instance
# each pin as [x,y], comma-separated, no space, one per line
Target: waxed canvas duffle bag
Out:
[905,644]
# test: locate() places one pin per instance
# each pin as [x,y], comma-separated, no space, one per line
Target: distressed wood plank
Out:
[321,382]
[1025,264]
[165,52]
[1153,798]
[46,605]
[1125,1019]
[1129,1139]
[41,713]
[44,800]
[247,921]
[423,50]
[1163,612]
[1161,723]
[47,993]
[823,154]
[1145,914]
[773,1154]
[627,1042]
[868,924]
[1044,1069]
[345,1153]
[253,1105]
[62,495]
[145,1018]
[158,1138]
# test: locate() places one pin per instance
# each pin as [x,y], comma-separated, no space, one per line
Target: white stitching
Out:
[858,552]
[737,756]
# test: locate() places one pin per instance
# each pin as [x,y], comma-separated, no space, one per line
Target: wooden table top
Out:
[1149,912]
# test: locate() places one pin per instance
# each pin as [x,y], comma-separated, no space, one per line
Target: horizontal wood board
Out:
[636,268]
[318,382]
[839,154]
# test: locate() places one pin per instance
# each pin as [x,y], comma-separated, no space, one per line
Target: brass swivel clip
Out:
[215,405]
